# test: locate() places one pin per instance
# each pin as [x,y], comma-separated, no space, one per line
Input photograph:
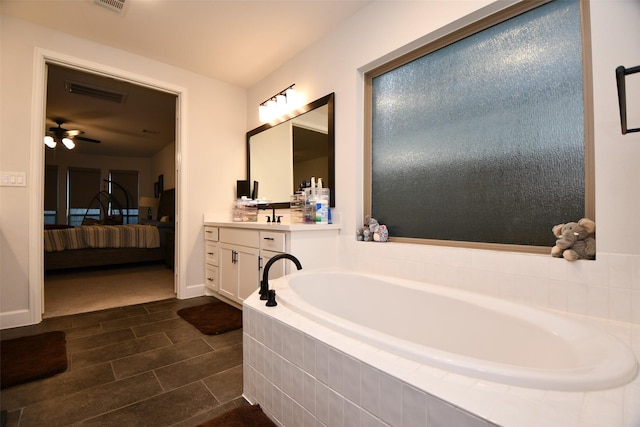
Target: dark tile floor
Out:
[141,365]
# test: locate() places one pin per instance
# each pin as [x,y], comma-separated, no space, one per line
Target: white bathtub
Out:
[461,332]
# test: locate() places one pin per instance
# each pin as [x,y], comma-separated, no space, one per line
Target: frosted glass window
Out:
[483,140]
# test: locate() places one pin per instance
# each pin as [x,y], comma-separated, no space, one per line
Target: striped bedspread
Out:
[102,236]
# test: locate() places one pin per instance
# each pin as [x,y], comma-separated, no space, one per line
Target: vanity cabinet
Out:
[211,258]
[240,251]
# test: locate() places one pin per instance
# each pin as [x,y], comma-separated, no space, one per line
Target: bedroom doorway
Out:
[124,136]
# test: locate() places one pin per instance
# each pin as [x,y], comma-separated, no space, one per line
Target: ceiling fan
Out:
[65,136]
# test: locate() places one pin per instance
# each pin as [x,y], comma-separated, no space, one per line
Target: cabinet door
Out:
[248,272]
[239,275]
[277,269]
[228,285]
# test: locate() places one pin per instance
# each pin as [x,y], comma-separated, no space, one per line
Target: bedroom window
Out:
[82,187]
[484,138]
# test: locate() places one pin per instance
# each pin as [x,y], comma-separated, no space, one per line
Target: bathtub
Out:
[461,332]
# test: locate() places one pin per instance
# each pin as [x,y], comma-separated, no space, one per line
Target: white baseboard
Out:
[16,318]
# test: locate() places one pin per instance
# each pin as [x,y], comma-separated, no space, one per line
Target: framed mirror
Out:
[281,155]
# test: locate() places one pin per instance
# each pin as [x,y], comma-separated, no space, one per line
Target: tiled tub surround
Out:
[304,374]
[608,287]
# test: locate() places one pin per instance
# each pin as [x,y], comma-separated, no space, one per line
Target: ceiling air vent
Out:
[95,92]
[115,5]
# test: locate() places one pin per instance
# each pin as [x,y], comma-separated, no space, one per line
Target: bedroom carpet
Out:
[141,365]
[213,318]
[86,290]
[243,416]
[32,357]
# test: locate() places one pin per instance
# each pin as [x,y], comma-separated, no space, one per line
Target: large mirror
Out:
[281,155]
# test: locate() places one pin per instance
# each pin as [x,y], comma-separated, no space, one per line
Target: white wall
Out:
[212,146]
[164,163]
[608,287]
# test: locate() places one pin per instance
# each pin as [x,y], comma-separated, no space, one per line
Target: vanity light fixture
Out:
[278,105]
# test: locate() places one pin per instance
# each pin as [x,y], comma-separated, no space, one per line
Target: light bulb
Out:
[281,103]
[272,108]
[263,113]
[50,142]
[68,143]
[292,98]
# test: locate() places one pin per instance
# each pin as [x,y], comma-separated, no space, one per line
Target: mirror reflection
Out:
[280,156]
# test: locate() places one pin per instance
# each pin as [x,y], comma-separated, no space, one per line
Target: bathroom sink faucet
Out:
[265,293]
[273,218]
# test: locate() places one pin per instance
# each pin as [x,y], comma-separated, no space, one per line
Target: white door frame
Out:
[36,201]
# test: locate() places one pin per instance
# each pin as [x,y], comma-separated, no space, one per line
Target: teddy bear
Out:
[372,230]
[575,240]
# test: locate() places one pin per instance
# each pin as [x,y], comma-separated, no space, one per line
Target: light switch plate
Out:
[13,179]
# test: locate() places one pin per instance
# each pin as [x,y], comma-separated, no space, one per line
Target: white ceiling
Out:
[239,42]
[139,126]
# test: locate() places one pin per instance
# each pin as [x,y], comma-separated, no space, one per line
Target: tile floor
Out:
[139,365]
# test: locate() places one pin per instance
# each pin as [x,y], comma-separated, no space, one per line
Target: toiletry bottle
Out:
[322,204]
[310,204]
[322,213]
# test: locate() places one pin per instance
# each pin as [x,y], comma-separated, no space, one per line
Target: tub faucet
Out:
[265,294]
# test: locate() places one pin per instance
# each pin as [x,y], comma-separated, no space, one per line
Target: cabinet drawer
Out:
[211,277]
[273,241]
[210,233]
[241,237]
[211,254]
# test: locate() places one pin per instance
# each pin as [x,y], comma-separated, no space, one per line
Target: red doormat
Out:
[213,318]
[31,358]
[243,416]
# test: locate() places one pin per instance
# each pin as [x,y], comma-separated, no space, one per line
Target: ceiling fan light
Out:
[50,142]
[68,142]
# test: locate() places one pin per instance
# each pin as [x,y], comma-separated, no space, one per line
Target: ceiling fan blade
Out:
[85,139]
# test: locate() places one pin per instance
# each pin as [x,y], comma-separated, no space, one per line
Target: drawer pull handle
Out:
[268,238]
[209,231]
[211,253]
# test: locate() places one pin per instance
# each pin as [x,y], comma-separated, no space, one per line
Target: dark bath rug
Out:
[242,416]
[213,318]
[31,358]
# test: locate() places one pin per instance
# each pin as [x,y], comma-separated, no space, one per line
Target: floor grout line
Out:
[109,374]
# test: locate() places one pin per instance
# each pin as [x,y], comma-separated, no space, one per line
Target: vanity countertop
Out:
[273,226]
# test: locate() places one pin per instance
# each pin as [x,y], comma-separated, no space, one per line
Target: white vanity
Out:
[236,252]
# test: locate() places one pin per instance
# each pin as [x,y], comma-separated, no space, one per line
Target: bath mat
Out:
[213,318]
[31,358]
[243,416]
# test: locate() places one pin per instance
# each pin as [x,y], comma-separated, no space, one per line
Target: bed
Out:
[105,244]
